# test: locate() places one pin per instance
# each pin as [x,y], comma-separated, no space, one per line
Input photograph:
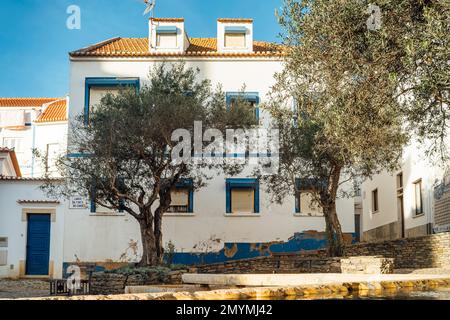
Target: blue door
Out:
[38,244]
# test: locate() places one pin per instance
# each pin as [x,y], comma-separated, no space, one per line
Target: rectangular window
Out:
[14,143]
[52,156]
[242,196]
[97,88]
[166,40]
[235,40]
[3,242]
[306,205]
[418,197]
[3,252]
[375,200]
[251,97]
[182,197]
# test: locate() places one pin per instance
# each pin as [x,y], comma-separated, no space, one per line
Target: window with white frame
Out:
[418,203]
[166,37]
[375,200]
[235,37]
[51,157]
[13,143]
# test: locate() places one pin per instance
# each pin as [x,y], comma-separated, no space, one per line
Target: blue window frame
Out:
[252,97]
[93,194]
[304,185]
[166,29]
[236,29]
[105,82]
[189,185]
[242,183]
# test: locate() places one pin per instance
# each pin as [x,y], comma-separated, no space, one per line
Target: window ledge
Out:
[418,215]
[233,215]
[107,214]
[179,214]
[303,215]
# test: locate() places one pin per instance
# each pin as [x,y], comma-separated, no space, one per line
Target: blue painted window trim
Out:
[166,29]
[187,184]
[302,184]
[105,82]
[249,96]
[236,29]
[236,183]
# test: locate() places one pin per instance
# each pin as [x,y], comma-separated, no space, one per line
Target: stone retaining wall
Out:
[277,263]
[111,283]
[431,251]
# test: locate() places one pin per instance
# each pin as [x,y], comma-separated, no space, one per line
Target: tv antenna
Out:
[150,7]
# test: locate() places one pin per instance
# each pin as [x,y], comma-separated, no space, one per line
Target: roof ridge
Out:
[96,45]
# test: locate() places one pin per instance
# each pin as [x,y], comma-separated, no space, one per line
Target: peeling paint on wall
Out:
[308,240]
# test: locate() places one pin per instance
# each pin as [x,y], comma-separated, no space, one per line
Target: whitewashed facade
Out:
[411,201]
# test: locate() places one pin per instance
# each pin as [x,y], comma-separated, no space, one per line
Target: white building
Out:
[412,201]
[232,59]
[212,223]
[28,124]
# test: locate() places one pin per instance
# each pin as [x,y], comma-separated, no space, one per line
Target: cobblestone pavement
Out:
[11,289]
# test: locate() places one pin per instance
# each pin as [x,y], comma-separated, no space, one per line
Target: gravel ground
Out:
[11,289]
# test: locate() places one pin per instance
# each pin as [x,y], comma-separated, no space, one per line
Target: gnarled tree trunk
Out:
[149,254]
[333,227]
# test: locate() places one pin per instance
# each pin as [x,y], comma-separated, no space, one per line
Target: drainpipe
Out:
[33,146]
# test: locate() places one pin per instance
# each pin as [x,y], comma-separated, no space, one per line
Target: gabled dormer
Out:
[167,35]
[235,35]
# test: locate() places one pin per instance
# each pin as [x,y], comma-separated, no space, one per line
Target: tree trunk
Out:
[158,236]
[333,227]
[149,255]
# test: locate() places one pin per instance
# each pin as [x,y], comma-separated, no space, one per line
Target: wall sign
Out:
[77,202]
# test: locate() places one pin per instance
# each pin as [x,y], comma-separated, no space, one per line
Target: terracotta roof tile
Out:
[138,47]
[167,19]
[25,102]
[9,178]
[56,111]
[38,202]
[14,161]
[232,20]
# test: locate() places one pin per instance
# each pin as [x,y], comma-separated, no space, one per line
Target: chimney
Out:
[235,35]
[167,35]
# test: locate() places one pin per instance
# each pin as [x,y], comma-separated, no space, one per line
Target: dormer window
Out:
[235,37]
[166,37]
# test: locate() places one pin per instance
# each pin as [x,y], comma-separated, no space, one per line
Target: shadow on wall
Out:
[305,241]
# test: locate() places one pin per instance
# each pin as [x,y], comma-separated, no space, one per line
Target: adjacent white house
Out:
[412,201]
[28,124]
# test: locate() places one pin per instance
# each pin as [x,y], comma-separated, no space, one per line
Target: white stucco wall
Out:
[415,166]
[14,227]
[99,238]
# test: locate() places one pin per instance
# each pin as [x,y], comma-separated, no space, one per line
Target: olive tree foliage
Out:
[424,83]
[334,103]
[125,160]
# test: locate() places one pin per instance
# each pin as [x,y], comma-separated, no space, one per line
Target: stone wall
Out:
[431,251]
[111,283]
[421,252]
[277,263]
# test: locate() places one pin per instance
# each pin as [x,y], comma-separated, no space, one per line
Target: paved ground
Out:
[267,280]
[11,289]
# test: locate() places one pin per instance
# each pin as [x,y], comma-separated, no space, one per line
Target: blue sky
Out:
[34,40]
